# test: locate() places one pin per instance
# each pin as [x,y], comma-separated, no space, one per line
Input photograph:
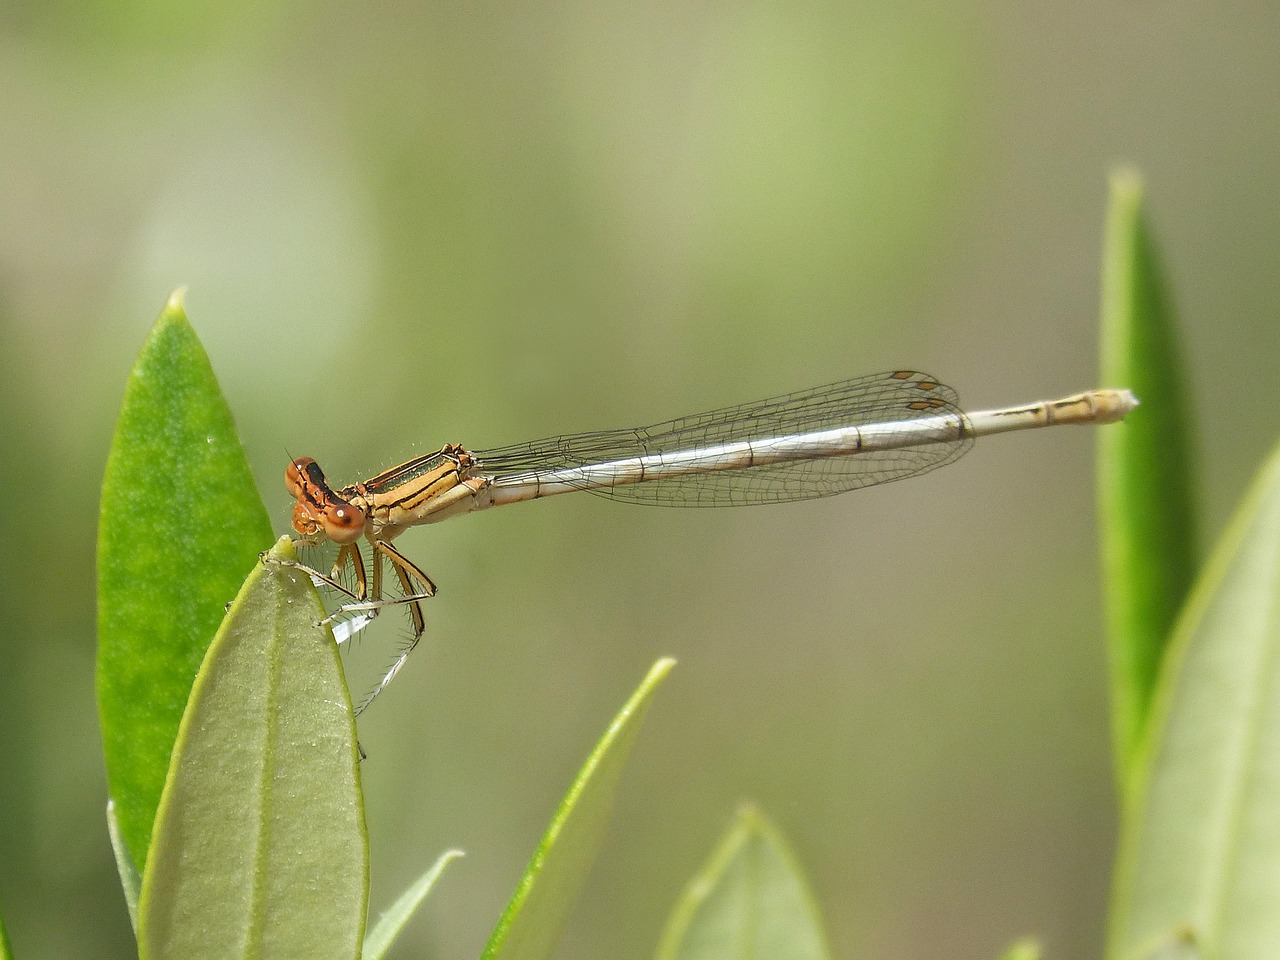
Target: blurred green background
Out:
[406,224]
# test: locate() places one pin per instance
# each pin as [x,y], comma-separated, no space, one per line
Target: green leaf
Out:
[259,847]
[1145,476]
[531,924]
[5,952]
[393,920]
[1026,949]
[181,525]
[1200,843]
[130,881]
[750,901]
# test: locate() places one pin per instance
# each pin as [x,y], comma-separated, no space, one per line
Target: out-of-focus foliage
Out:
[749,900]
[393,920]
[1024,950]
[1146,495]
[405,225]
[531,925]
[1199,849]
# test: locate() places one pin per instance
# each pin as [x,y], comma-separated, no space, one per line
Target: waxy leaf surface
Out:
[181,524]
[259,847]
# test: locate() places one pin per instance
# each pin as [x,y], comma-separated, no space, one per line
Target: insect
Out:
[813,443]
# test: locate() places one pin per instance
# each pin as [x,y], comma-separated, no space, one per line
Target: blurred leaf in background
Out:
[1199,848]
[1024,950]
[410,225]
[1147,502]
[749,900]
[534,919]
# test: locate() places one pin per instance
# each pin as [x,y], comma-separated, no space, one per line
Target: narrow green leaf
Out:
[259,847]
[750,901]
[531,924]
[5,952]
[393,920]
[1026,949]
[181,525]
[1145,476]
[1200,843]
[130,881]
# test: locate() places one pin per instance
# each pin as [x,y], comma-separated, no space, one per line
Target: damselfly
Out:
[814,443]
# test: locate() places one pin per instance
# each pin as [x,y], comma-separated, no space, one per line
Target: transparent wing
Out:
[884,398]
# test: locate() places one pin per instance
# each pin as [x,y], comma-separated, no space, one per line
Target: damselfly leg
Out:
[365,598]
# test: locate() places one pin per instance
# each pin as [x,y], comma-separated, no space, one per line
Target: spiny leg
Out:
[406,568]
[407,573]
[415,584]
[364,602]
[360,602]
[373,601]
[352,551]
[361,612]
[316,576]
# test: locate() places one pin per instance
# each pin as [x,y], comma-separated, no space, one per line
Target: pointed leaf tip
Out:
[180,525]
[531,923]
[176,302]
[1145,473]
[396,916]
[749,900]
[130,880]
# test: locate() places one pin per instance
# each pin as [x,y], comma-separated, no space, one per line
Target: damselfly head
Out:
[319,510]
[301,475]
[304,520]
